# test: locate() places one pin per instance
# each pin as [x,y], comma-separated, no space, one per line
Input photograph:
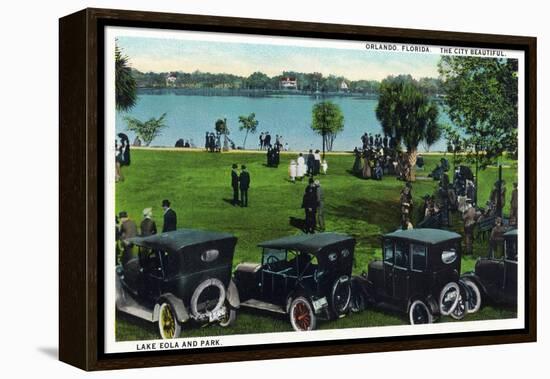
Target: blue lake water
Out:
[190,116]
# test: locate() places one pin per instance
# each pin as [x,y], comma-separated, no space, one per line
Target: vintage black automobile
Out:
[179,276]
[419,274]
[495,280]
[307,277]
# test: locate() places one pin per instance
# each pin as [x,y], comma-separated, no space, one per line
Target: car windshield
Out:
[289,262]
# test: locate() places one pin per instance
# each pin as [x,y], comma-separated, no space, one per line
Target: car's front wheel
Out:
[169,327]
[419,313]
[473,302]
[229,317]
[460,310]
[341,296]
[302,316]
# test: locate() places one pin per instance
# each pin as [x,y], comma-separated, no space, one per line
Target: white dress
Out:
[302,168]
[324,167]
[292,170]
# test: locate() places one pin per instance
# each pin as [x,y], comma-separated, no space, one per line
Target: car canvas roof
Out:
[181,238]
[308,243]
[425,235]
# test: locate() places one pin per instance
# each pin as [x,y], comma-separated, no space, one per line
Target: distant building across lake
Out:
[288,83]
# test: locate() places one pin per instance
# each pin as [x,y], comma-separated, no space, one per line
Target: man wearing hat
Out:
[320,215]
[170,218]
[244,183]
[235,184]
[148,227]
[128,229]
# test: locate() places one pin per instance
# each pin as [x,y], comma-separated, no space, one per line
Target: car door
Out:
[274,261]
[401,271]
[152,276]
[388,268]
[510,281]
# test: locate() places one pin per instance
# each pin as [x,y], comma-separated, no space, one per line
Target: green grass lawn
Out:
[198,185]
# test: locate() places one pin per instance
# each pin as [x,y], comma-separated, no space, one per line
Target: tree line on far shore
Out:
[306,82]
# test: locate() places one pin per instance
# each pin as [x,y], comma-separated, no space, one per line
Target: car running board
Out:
[262,305]
[125,303]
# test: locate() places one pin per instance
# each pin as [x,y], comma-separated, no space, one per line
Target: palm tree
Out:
[125,83]
[408,115]
[146,130]
[248,123]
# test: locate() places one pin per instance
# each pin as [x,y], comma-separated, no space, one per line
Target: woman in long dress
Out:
[356,169]
[366,166]
[292,170]
[301,168]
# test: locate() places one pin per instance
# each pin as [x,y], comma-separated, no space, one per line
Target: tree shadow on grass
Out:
[381,215]
[297,223]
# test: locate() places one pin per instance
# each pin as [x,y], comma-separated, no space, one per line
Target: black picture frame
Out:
[81,187]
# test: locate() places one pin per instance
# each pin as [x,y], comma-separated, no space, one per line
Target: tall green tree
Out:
[408,115]
[481,99]
[328,121]
[248,123]
[125,83]
[146,130]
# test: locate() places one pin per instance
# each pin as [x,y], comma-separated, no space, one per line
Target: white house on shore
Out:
[171,80]
[288,83]
[344,86]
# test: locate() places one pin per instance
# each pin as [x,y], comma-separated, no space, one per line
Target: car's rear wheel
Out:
[419,313]
[473,302]
[341,296]
[448,298]
[229,317]
[169,327]
[302,316]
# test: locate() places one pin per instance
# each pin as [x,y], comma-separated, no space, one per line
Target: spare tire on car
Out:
[207,299]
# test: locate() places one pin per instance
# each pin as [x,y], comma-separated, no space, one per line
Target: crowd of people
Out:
[126,228]
[310,165]
[265,142]
[379,156]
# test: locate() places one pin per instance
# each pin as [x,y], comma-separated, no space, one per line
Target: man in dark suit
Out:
[170,218]
[235,184]
[244,184]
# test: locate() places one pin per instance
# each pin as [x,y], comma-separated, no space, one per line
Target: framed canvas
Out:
[240,189]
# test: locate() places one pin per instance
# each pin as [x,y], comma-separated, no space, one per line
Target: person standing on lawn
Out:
[244,184]
[148,227]
[235,184]
[320,206]
[310,162]
[309,203]
[170,217]
[128,229]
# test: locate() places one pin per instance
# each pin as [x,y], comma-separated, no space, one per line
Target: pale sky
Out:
[163,55]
